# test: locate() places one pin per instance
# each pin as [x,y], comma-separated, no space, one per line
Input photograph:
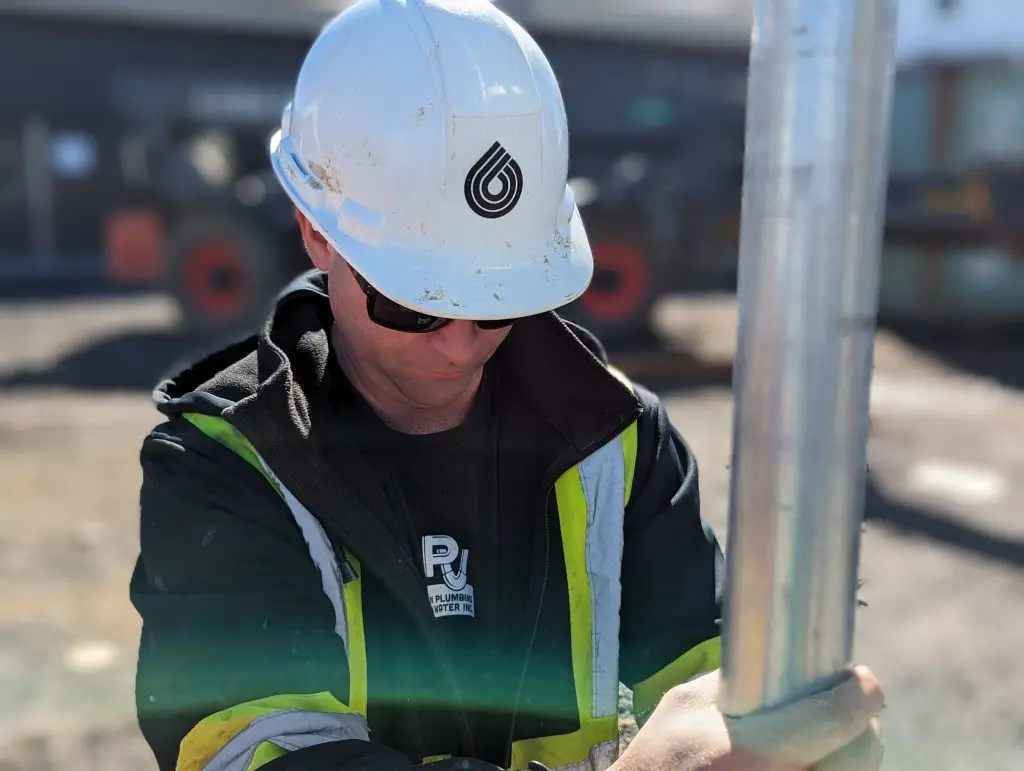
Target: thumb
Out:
[815,726]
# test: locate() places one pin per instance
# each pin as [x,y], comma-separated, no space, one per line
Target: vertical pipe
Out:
[818,115]
[36,144]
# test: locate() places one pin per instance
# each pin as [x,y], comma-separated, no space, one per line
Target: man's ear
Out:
[320,252]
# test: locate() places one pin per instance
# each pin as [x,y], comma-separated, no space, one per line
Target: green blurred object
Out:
[653,112]
[955,244]
[951,118]
[952,285]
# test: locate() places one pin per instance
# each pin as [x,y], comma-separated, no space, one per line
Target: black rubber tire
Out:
[223,272]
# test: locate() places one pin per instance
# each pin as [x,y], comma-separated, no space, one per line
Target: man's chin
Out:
[435,391]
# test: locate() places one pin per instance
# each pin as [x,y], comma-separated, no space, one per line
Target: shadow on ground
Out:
[126,361]
[994,353]
[14,291]
[940,529]
[137,361]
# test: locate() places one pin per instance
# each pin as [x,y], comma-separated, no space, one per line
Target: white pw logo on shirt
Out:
[454,597]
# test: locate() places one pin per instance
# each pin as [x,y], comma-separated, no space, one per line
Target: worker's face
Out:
[427,369]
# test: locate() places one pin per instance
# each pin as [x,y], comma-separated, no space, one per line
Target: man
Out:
[418,519]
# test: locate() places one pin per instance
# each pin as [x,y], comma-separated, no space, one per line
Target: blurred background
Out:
[140,224]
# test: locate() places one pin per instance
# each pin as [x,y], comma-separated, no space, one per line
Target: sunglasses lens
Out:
[390,314]
[496,324]
[387,313]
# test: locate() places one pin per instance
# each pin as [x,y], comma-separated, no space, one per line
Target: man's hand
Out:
[835,730]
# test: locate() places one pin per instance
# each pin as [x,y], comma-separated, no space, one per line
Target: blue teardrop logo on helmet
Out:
[494,184]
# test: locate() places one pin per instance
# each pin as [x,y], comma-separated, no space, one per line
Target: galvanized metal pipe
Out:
[818,116]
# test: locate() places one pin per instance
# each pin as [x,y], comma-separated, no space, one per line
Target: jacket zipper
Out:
[536,625]
[544,585]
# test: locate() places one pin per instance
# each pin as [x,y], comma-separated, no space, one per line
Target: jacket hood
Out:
[559,365]
[217,382]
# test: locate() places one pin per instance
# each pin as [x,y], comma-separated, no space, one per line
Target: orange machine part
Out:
[134,246]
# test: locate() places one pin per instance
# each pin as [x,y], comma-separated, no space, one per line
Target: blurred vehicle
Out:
[137,149]
[142,136]
[954,235]
[655,95]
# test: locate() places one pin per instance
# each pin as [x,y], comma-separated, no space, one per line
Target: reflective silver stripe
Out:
[320,551]
[601,757]
[289,729]
[603,475]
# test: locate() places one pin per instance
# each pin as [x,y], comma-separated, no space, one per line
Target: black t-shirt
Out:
[472,531]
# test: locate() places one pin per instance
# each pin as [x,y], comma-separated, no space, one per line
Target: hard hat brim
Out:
[534,278]
[529,278]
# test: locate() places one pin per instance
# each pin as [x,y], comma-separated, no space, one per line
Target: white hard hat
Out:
[427,142]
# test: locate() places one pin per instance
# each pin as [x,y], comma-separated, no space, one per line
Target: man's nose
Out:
[458,341]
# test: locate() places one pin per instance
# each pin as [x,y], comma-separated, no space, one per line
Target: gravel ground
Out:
[942,557]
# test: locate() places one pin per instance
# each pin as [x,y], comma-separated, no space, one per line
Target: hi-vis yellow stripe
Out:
[572,515]
[357,673]
[574,519]
[699,660]
[211,734]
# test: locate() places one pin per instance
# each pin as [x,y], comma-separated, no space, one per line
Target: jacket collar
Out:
[560,368]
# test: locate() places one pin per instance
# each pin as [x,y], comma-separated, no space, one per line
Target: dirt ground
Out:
[942,557]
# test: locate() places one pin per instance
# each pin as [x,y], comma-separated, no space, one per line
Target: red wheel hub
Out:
[215,278]
[620,282]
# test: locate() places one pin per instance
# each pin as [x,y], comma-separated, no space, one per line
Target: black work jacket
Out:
[232,606]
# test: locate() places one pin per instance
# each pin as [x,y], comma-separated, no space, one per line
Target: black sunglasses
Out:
[388,314]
